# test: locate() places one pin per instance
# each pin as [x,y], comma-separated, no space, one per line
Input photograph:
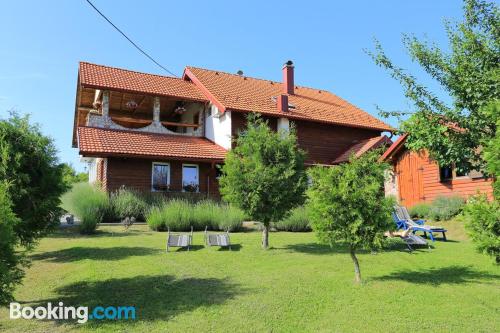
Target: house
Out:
[416,178]
[159,133]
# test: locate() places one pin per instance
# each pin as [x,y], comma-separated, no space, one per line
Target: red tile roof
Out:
[242,93]
[106,142]
[362,147]
[104,77]
[394,148]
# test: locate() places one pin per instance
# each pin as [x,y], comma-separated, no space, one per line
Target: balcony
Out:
[153,114]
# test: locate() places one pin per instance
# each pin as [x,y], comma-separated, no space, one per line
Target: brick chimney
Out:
[282,102]
[288,84]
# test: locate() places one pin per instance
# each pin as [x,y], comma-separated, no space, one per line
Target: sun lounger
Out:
[217,239]
[408,237]
[179,240]
[405,224]
[403,213]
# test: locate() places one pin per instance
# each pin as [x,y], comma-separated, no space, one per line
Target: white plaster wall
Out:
[283,124]
[92,170]
[218,127]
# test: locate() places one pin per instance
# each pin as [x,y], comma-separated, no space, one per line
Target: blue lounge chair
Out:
[405,224]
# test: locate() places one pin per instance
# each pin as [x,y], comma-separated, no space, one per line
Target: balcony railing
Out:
[97,120]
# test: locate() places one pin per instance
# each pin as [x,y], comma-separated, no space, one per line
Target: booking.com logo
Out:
[62,312]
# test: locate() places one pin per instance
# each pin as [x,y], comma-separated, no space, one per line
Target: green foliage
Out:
[444,208]
[181,215]
[11,262]
[470,73]
[264,174]
[483,225]
[128,203]
[491,151]
[347,203]
[87,202]
[70,176]
[28,163]
[420,210]
[296,221]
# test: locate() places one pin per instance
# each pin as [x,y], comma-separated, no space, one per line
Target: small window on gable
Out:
[445,173]
[160,179]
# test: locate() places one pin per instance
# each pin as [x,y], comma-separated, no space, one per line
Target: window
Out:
[445,173]
[160,180]
[450,173]
[190,181]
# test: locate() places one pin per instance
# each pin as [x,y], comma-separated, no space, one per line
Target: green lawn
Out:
[297,286]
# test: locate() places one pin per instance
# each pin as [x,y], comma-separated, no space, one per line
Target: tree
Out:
[28,163]
[264,174]
[347,204]
[491,151]
[483,224]
[70,176]
[469,73]
[11,261]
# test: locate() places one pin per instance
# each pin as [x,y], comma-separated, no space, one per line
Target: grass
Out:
[297,286]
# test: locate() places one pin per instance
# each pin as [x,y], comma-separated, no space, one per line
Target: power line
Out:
[131,41]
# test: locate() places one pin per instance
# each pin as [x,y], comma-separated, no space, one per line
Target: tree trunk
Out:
[357,272]
[265,236]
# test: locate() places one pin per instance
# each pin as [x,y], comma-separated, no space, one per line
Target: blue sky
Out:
[42,42]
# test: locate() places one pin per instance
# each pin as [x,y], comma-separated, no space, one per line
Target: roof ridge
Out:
[132,71]
[260,79]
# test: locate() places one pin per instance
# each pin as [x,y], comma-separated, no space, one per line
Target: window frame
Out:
[153,174]
[454,175]
[198,175]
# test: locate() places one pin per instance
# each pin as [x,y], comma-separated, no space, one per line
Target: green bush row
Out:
[181,215]
[440,209]
[297,220]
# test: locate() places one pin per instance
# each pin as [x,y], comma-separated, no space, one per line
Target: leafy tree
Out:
[469,72]
[491,151]
[264,174]
[28,163]
[11,261]
[483,225]
[70,176]
[347,204]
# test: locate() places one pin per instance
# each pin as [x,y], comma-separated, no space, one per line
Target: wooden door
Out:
[409,172]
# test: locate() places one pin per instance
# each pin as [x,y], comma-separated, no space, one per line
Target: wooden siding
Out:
[418,180]
[136,173]
[239,122]
[322,142]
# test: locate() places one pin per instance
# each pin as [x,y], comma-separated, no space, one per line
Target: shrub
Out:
[298,220]
[11,260]
[483,224]
[444,208]
[88,203]
[229,218]
[30,166]
[128,203]
[420,210]
[174,214]
[180,215]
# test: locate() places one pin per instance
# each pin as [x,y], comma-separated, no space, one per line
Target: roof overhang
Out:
[394,148]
